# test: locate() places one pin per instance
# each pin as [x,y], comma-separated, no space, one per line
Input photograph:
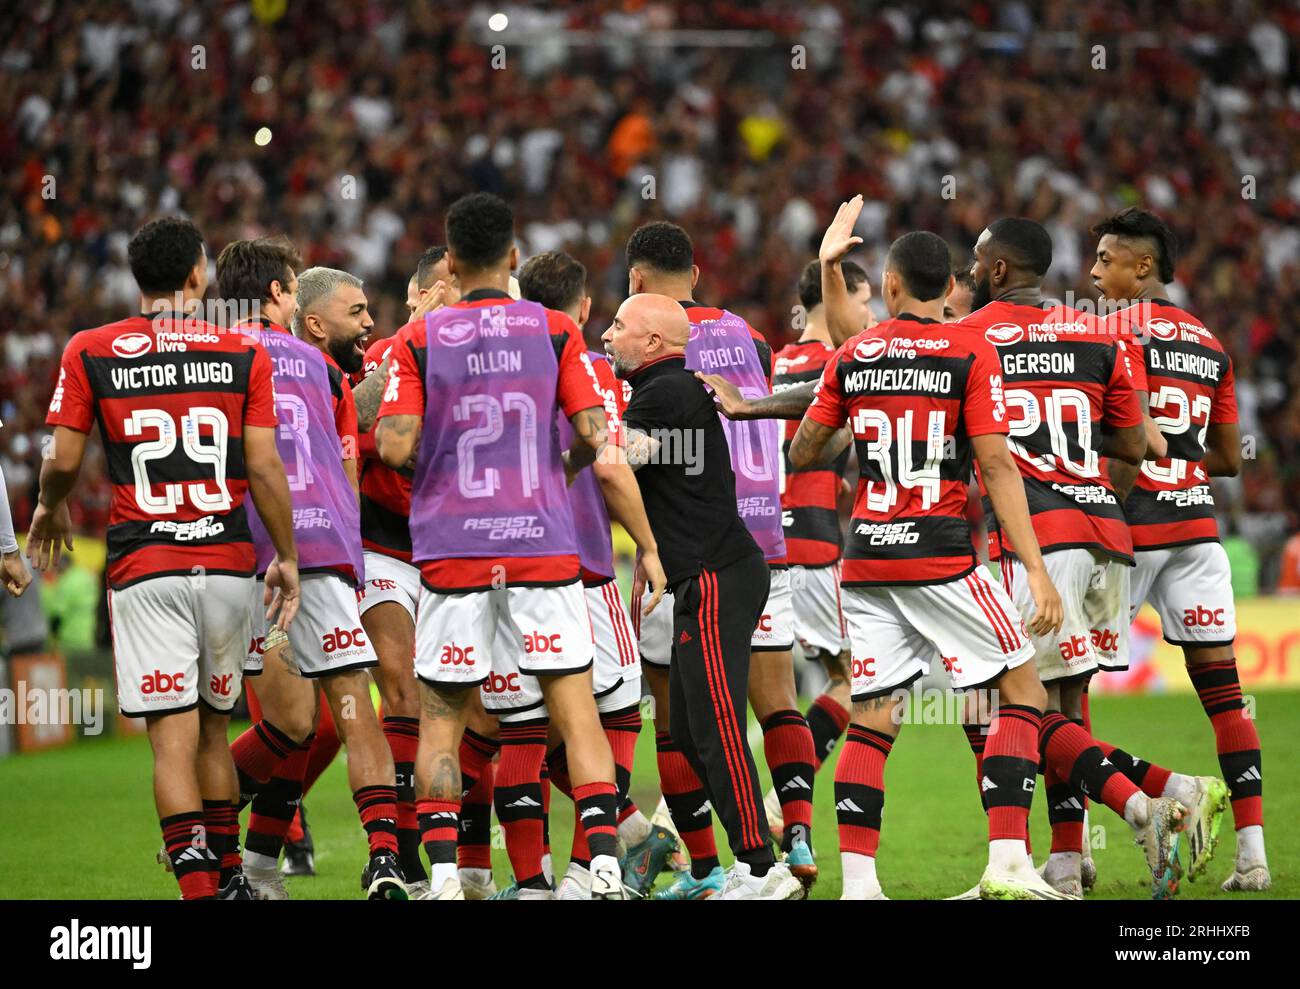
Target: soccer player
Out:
[922,402]
[609,490]
[318,438]
[718,578]
[1069,390]
[187,416]
[661,261]
[1181,567]
[388,606]
[471,398]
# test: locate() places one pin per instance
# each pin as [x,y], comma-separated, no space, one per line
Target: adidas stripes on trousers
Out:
[714,615]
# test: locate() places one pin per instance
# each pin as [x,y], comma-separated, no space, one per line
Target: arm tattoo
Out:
[789,403]
[368,395]
[641,448]
[809,443]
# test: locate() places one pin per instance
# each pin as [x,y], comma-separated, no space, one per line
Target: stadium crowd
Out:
[373,118]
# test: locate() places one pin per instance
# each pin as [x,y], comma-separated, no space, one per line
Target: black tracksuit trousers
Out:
[713,622]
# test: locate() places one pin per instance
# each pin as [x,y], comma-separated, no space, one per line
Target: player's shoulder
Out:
[799,352]
[1170,322]
[127,338]
[559,323]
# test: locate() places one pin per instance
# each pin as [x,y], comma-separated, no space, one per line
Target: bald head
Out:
[646,328]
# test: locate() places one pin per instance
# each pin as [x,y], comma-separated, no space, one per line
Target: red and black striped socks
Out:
[474,849]
[274,807]
[519,799]
[687,804]
[377,808]
[222,822]
[196,869]
[1235,738]
[596,806]
[827,719]
[257,752]
[1009,771]
[860,789]
[439,828]
[403,737]
[788,748]
[1074,757]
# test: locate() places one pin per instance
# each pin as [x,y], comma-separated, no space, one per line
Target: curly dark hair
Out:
[163,253]
[663,246]
[480,230]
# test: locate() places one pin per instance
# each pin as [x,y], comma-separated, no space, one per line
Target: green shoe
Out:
[1204,817]
[687,888]
[645,860]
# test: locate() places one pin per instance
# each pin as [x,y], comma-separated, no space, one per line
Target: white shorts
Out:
[775,630]
[1094,589]
[654,632]
[1191,589]
[388,579]
[501,640]
[326,636]
[818,615]
[626,694]
[616,655]
[178,640]
[896,632]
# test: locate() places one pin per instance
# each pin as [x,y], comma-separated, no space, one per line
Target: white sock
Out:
[1087,836]
[1137,810]
[859,875]
[635,829]
[440,872]
[1181,788]
[1008,854]
[256,860]
[1250,847]
[548,872]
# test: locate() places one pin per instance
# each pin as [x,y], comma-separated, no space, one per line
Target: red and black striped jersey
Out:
[405,395]
[172,396]
[913,392]
[809,497]
[1064,379]
[1191,385]
[385,493]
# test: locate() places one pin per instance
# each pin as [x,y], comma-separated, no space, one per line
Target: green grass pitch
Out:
[78,823]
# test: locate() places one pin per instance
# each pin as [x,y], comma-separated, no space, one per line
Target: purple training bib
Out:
[590,517]
[488,479]
[326,518]
[725,346]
